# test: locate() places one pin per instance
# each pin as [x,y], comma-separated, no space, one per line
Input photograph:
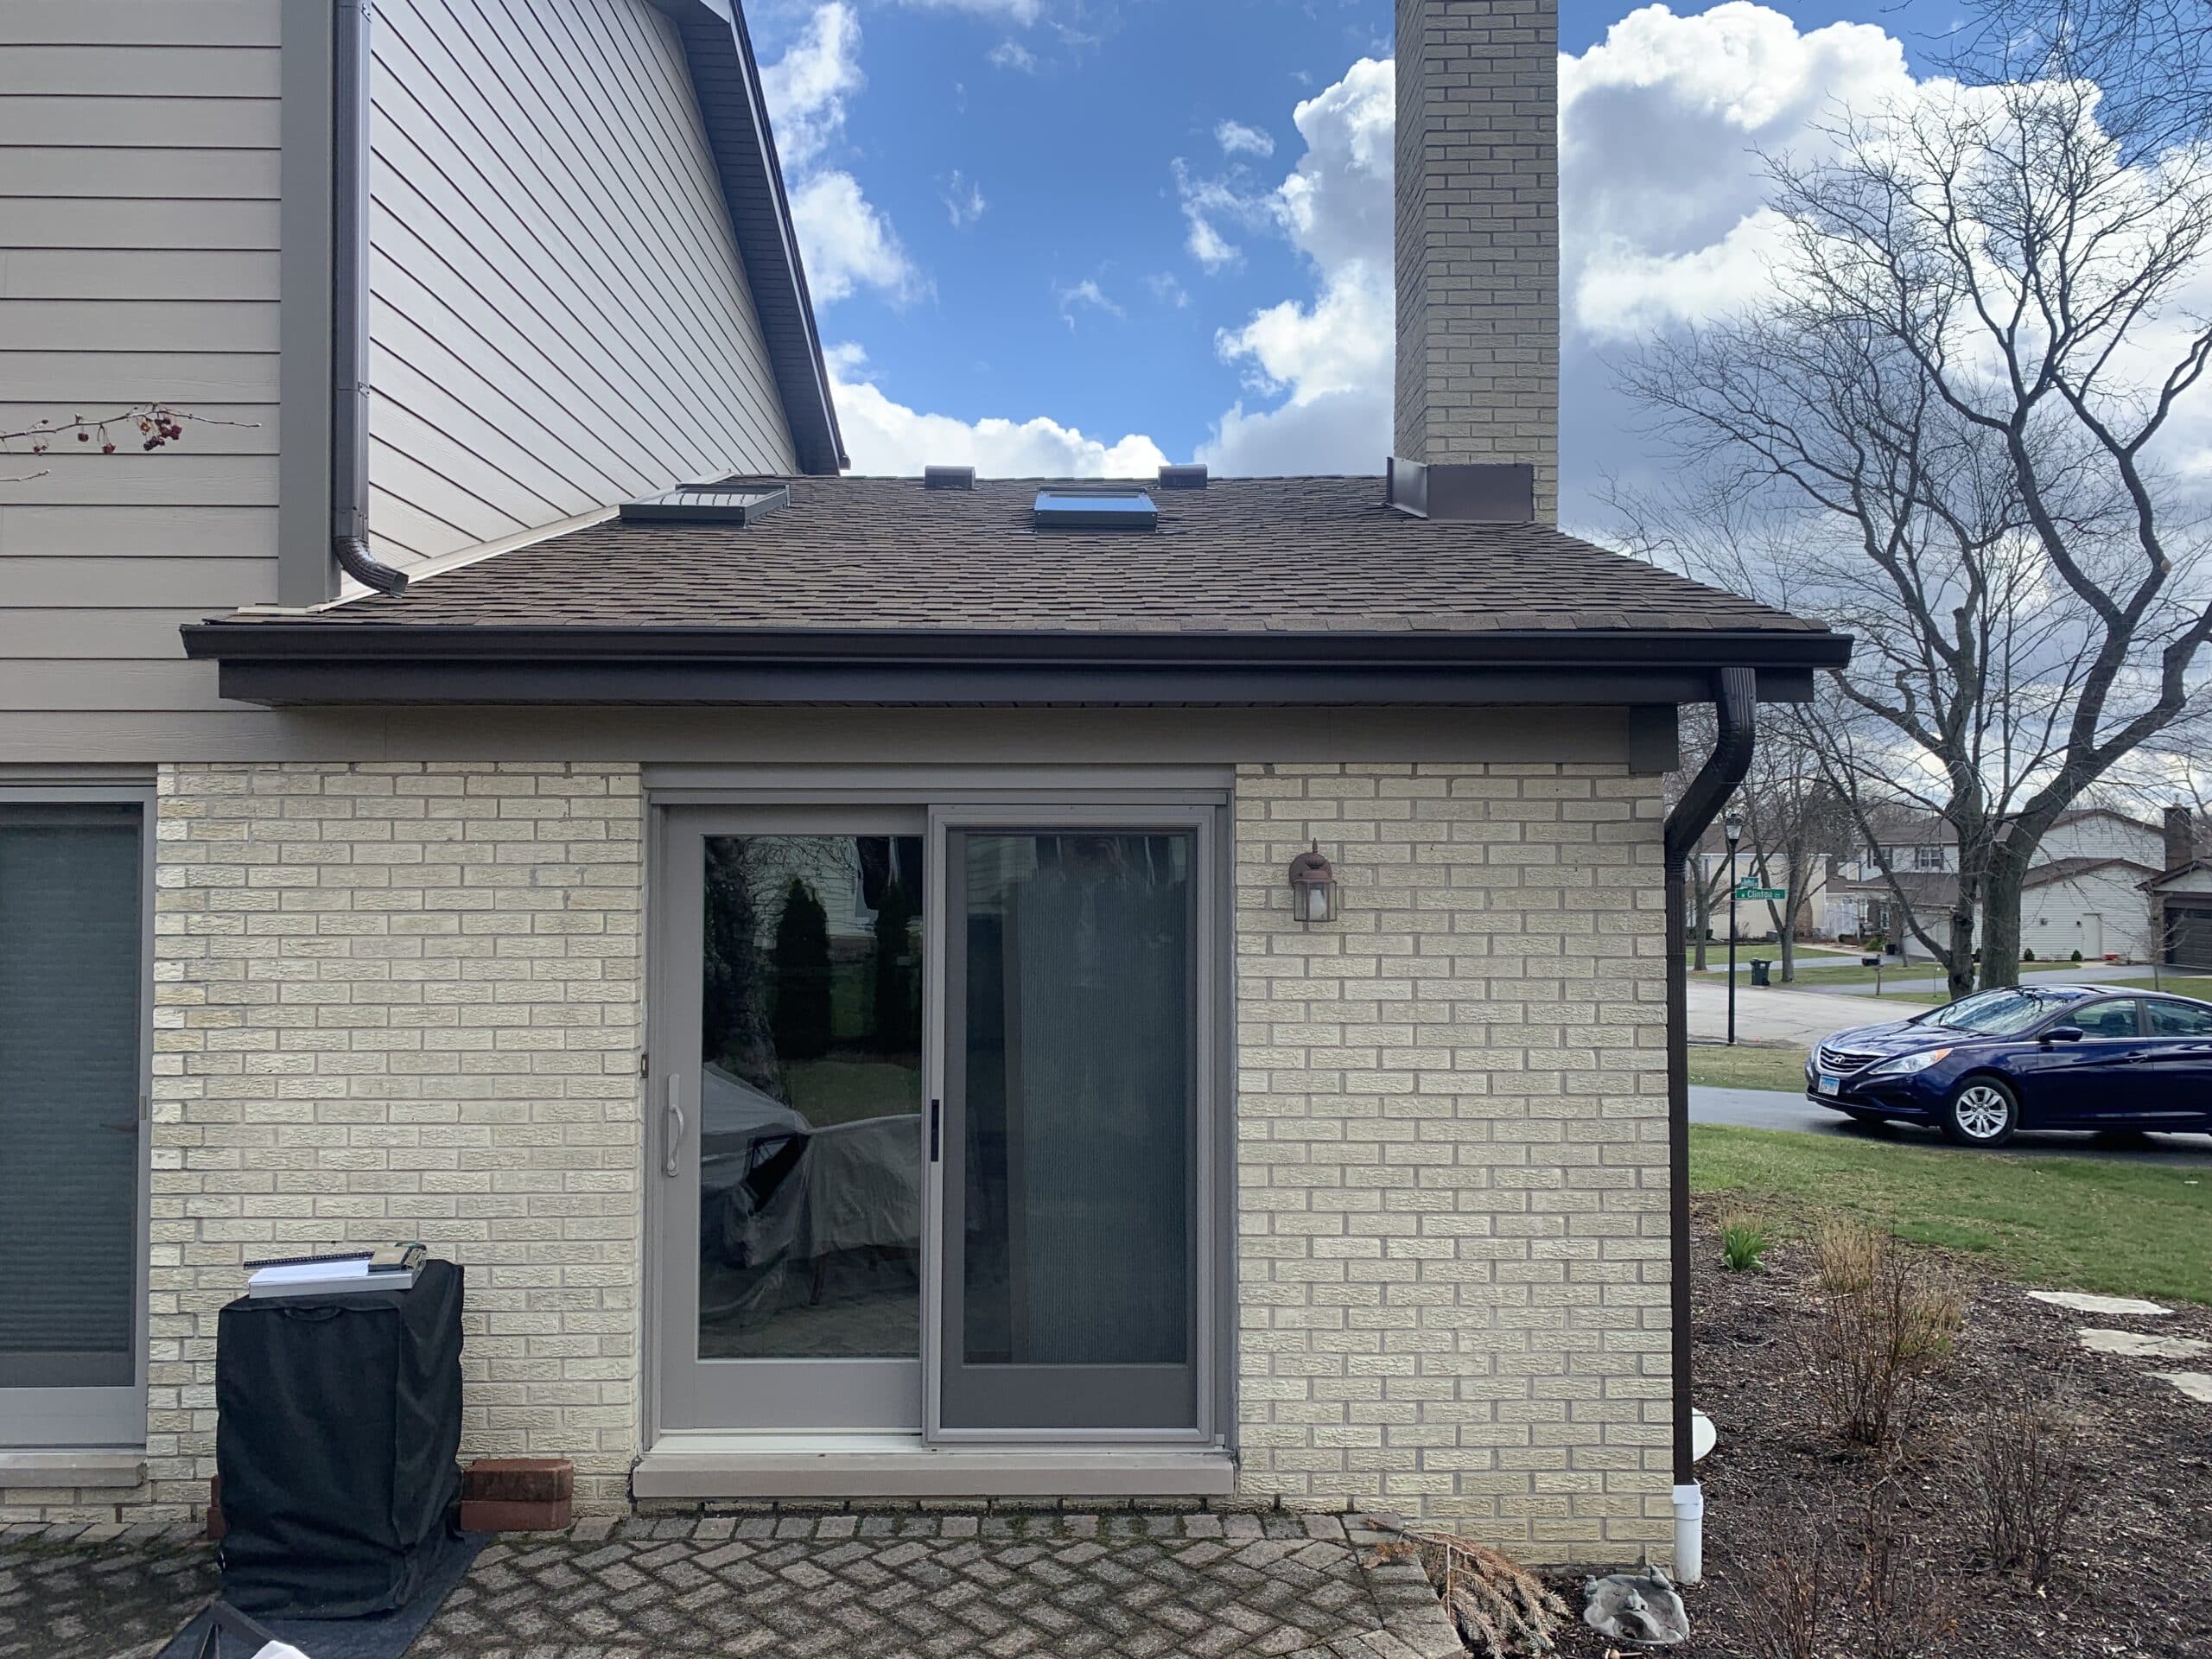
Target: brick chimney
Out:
[1478,242]
[2181,836]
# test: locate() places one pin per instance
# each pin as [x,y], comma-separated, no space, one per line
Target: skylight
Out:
[1095,510]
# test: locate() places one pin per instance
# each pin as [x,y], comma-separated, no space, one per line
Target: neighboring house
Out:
[412,914]
[2083,890]
[2181,892]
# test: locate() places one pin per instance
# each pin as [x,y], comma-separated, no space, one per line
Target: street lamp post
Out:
[1732,827]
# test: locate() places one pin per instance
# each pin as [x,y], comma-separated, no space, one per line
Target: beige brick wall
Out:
[396,1000]
[1478,235]
[1451,1134]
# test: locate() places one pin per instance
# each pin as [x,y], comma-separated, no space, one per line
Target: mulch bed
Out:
[2135,1577]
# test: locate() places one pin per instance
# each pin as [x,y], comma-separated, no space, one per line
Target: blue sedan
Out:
[1989,1065]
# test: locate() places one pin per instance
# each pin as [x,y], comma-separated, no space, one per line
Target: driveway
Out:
[1800,1017]
[1767,1108]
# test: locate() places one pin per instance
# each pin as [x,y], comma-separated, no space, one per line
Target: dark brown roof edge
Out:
[296,661]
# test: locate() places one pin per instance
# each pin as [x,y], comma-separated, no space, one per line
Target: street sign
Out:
[1752,895]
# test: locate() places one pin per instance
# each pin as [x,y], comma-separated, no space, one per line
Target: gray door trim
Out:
[1210,984]
[864,1395]
[104,1417]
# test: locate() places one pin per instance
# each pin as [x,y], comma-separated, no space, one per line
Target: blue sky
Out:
[1072,212]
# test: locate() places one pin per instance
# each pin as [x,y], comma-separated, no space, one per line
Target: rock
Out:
[2113,1307]
[2134,1345]
[1642,1608]
[2197,1385]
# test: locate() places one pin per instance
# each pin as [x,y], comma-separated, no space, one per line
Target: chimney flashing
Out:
[1485,493]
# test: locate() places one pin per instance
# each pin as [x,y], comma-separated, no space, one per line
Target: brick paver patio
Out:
[894,1585]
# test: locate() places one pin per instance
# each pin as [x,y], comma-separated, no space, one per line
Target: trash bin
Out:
[1759,965]
[338,1434]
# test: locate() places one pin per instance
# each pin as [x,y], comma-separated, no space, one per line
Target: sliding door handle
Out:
[671,1128]
[936,1108]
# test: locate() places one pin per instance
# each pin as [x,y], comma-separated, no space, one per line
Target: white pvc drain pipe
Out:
[1689,1533]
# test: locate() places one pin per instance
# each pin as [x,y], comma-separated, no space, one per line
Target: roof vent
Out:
[948,478]
[1183,477]
[1110,509]
[709,503]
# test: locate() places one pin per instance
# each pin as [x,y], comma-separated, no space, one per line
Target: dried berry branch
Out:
[155,425]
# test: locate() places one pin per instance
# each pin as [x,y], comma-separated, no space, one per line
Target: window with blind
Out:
[71,984]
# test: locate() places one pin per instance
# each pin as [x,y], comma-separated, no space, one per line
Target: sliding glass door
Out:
[929,1099]
[789,1122]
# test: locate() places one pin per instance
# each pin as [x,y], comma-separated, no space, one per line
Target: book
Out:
[393,1268]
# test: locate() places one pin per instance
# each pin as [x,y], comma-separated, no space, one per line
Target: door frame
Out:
[87,1419]
[1210,980]
[1009,792]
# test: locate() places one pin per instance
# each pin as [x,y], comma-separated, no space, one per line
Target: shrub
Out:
[1744,1245]
[1784,1605]
[1902,1603]
[2076,957]
[2028,955]
[1884,1319]
[2026,1484]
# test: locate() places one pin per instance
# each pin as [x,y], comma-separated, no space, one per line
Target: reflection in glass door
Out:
[1072,1083]
[793,1130]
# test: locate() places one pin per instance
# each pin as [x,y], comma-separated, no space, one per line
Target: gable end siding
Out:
[138,263]
[559,316]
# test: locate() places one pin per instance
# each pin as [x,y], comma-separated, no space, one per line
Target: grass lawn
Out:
[1715,1065]
[2083,1224]
[2200,985]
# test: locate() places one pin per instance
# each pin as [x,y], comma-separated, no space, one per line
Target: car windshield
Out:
[1995,1013]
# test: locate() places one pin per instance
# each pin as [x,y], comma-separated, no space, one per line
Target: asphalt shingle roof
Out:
[1240,557]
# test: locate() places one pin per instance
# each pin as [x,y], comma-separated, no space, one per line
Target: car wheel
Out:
[1983,1113]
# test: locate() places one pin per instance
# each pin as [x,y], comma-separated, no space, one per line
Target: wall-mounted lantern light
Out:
[1313,887]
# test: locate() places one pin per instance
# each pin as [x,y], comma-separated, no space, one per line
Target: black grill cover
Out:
[338,1422]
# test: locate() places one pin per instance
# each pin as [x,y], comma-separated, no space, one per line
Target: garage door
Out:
[2189,935]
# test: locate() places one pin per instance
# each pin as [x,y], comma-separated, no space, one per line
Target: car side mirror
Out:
[2063,1034]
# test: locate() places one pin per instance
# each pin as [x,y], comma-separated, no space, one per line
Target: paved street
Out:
[1766,1109]
[890,1586]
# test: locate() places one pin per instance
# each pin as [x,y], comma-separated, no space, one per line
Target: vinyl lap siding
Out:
[559,318]
[138,263]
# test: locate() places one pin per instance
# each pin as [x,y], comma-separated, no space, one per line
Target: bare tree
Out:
[1794,819]
[2152,59]
[1943,433]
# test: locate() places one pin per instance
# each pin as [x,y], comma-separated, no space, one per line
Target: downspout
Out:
[1736,705]
[349,308]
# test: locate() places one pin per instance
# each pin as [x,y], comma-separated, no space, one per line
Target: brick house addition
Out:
[821,953]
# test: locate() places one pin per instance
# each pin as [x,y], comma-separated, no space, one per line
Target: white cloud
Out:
[847,242]
[1327,362]
[1023,12]
[888,437]
[1166,287]
[963,201]
[1237,139]
[1085,293]
[808,86]
[849,245]
[1012,54]
[1204,201]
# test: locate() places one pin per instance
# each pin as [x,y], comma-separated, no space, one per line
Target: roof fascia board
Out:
[299,663]
[1698,652]
[388,684]
[725,79]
